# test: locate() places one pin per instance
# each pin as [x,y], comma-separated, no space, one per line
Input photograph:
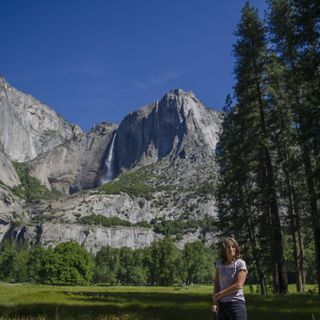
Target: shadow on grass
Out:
[51,311]
[115,305]
[160,306]
[288,307]
[143,297]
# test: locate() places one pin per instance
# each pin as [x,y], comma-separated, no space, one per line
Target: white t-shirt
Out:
[227,277]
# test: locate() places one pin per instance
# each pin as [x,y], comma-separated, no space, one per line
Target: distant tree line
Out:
[269,152]
[70,264]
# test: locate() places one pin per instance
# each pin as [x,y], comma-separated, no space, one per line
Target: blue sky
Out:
[97,60]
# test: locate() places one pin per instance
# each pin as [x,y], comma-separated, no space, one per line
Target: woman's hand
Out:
[215,308]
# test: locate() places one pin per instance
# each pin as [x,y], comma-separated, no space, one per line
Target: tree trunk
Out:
[262,279]
[313,208]
[292,214]
[253,243]
[280,271]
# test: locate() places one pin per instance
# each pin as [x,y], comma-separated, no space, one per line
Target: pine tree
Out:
[284,137]
[294,27]
[237,191]
[250,90]
[307,22]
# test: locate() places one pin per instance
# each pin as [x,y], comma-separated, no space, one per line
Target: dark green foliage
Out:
[132,183]
[121,266]
[247,194]
[30,188]
[132,270]
[36,258]
[206,188]
[70,264]
[197,263]
[165,261]
[165,227]
[107,266]
[67,264]
[101,220]
[180,227]
[270,147]
[13,262]
[160,264]
[295,35]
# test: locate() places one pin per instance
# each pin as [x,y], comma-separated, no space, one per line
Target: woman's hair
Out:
[222,250]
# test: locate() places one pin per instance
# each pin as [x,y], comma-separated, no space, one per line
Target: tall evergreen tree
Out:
[284,136]
[307,23]
[250,90]
[237,191]
[294,27]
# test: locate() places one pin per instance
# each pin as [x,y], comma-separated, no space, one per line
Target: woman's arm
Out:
[216,282]
[240,280]
[215,291]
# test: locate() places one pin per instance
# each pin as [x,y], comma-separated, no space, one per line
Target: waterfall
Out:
[16,238]
[109,163]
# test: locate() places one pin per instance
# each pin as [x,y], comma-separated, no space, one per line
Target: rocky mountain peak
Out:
[29,127]
[3,83]
[177,124]
[181,93]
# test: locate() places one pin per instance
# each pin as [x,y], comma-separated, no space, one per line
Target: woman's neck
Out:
[230,260]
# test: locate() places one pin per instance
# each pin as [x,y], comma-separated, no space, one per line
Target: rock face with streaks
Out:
[76,164]
[11,213]
[177,127]
[8,174]
[29,127]
[118,184]
[94,238]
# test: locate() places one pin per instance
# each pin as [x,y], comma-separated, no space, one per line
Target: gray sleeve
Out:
[241,265]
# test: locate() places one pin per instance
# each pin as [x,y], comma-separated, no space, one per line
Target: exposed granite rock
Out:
[208,238]
[77,164]
[178,127]
[172,205]
[174,139]
[8,174]
[11,211]
[29,127]
[178,130]
[95,237]
[9,203]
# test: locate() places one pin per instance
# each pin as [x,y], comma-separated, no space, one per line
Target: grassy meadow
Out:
[128,303]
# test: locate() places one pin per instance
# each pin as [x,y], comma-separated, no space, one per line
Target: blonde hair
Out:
[222,250]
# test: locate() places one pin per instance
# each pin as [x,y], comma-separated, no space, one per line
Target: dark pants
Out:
[235,310]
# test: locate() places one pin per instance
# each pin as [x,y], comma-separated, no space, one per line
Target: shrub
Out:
[30,188]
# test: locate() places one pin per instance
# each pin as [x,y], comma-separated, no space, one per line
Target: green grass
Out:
[48,302]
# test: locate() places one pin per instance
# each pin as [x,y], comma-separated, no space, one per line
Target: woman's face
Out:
[230,251]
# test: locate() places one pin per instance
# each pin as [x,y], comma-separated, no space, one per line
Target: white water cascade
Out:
[109,163]
[17,235]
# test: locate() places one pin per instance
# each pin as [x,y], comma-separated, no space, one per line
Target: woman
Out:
[231,273]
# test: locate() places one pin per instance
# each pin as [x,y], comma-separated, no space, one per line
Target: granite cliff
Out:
[29,127]
[176,127]
[77,163]
[122,185]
